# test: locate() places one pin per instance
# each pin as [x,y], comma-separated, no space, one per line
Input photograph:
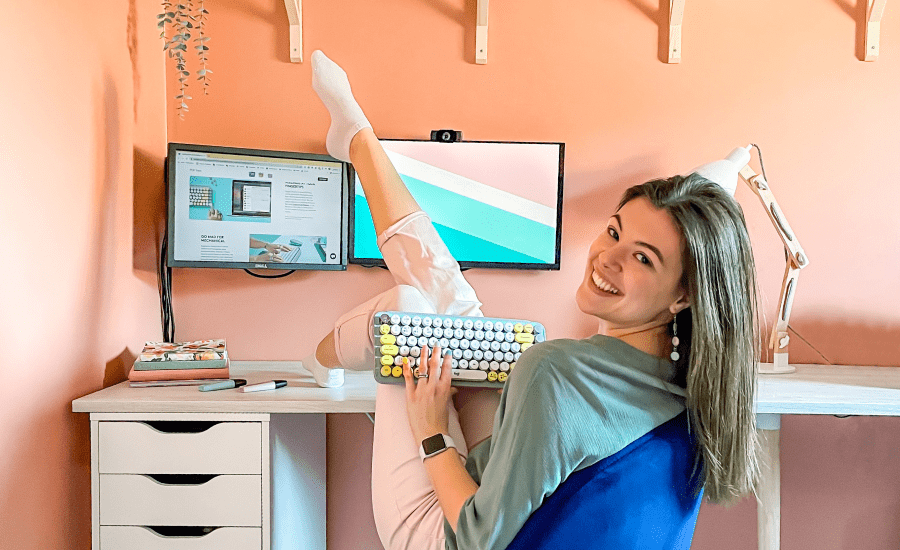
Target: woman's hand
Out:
[428,399]
[276,248]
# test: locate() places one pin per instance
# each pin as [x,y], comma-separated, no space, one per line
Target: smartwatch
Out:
[435,444]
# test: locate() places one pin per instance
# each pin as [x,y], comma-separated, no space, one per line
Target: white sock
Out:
[325,377]
[331,84]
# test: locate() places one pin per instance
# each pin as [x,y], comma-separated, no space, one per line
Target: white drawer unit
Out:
[144,538]
[181,482]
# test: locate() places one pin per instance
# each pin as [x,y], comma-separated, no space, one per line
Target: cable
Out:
[164,279]
[761,165]
[810,345]
[285,274]
[370,418]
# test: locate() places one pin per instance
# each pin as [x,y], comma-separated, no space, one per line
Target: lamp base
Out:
[780,366]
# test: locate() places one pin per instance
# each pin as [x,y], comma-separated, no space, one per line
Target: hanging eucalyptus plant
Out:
[183,18]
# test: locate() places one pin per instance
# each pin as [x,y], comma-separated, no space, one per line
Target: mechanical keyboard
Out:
[201,196]
[484,350]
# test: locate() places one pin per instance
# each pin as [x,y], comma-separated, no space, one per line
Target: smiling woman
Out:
[576,414]
[677,254]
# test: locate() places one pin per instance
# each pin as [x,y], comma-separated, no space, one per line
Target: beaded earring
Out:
[675,340]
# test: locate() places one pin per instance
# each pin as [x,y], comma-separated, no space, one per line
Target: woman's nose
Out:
[611,258]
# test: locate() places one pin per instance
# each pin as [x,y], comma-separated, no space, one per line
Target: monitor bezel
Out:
[555,266]
[347,176]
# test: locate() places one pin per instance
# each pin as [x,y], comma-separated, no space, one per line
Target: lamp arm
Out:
[796,260]
[760,187]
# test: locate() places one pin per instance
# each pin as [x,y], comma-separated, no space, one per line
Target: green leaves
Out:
[182,20]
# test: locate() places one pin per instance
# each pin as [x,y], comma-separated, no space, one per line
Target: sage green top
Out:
[567,405]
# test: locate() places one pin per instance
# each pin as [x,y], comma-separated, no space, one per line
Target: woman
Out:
[673,259]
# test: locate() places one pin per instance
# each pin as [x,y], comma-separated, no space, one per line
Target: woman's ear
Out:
[683,302]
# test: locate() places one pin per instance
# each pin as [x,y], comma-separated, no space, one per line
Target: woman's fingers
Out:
[408,377]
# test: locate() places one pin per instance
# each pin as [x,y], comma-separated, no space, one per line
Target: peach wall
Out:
[80,89]
[785,75]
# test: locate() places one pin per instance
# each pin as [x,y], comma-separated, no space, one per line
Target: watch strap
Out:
[435,444]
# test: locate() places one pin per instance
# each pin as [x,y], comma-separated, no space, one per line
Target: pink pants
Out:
[407,513]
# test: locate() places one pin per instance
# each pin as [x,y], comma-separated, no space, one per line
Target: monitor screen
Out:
[495,204]
[248,208]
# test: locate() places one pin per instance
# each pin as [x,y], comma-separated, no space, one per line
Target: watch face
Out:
[433,444]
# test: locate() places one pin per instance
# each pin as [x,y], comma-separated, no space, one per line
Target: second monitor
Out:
[495,204]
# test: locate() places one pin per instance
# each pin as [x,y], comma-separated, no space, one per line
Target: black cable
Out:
[164,279]
[285,274]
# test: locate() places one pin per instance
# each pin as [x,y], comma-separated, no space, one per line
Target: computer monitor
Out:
[226,205]
[495,204]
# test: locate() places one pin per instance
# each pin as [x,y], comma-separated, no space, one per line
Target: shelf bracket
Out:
[295,19]
[676,15]
[873,28]
[481,33]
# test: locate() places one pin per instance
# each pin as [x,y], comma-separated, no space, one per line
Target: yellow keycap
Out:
[529,328]
[525,346]
[387,360]
[416,372]
[524,338]
[518,327]
[386,370]
[501,377]
[388,339]
[384,329]
[390,349]
[397,372]
[492,376]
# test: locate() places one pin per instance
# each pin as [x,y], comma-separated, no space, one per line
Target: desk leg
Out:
[768,506]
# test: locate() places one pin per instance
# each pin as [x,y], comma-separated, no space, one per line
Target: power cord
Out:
[164,279]
[257,275]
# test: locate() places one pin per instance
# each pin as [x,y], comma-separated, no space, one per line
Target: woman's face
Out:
[633,275]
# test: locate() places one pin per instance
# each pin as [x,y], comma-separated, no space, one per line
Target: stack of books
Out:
[182,363]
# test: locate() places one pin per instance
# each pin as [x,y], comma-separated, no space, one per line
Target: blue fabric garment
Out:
[645,497]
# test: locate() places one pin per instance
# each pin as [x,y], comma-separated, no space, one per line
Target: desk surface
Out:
[813,389]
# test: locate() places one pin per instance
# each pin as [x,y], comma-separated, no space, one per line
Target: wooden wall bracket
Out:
[481,33]
[676,15]
[873,28]
[295,19]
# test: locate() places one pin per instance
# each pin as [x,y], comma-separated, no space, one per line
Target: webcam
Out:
[446,136]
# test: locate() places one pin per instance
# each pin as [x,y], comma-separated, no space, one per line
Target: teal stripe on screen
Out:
[462,246]
[495,225]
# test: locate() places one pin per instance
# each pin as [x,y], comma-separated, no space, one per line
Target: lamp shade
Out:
[725,171]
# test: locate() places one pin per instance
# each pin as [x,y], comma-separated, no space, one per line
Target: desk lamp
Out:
[726,172]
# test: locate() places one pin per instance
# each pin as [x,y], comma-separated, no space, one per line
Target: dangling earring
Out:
[675,340]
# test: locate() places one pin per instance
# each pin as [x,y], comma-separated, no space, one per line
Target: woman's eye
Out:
[612,233]
[643,259]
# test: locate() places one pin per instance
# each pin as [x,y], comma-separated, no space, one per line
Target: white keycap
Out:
[495,346]
[444,343]
[469,334]
[438,332]
[476,375]
[458,333]
[405,320]
[463,364]
[508,327]
[509,357]
[515,346]
[494,366]
[404,350]
[395,330]
[485,345]
[483,365]
[488,325]
[414,351]
[479,324]
[457,354]
[448,322]
[395,319]
[478,355]
[427,332]
[509,337]
[464,344]
[489,356]
[454,343]
[416,321]
[406,330]
[426,321]
[489,335]
[504,347]
[401,340]
[457,323]
[467,354]
[479,335]
[468,324]
[504,367]
[416,331]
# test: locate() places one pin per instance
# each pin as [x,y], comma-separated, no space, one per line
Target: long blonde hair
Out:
[719,332]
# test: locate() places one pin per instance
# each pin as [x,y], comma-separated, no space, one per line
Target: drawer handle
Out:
[181,426]
[181,479]
[169,531]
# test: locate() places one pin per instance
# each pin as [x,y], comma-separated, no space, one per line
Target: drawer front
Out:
[226,500]
[139,448]
[141,538]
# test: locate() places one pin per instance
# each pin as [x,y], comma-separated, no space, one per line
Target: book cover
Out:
[199,354]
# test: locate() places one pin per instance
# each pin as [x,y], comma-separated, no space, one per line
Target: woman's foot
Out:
[325,377]
[333,88]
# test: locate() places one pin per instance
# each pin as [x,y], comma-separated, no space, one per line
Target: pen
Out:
[270,385]
[223,385]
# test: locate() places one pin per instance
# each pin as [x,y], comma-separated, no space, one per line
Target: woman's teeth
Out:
[602,284]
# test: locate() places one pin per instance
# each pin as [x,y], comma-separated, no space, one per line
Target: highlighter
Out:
[223,385]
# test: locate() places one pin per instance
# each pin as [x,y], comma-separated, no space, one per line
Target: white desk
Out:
[813,389]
